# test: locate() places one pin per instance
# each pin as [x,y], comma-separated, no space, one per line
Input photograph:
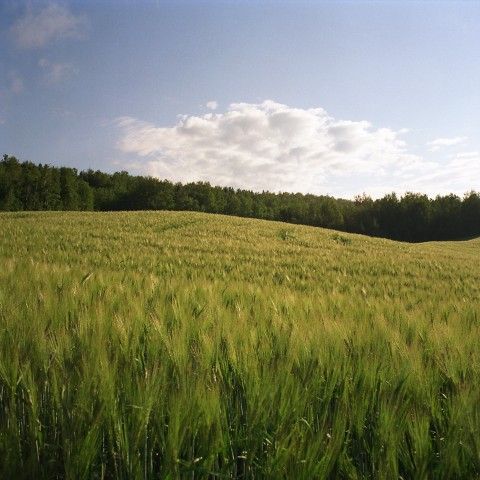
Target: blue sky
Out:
[321,97]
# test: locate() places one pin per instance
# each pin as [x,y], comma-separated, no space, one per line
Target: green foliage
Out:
[185,345]
[413,218]
[26,186]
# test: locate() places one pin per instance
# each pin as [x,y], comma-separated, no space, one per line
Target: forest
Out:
[412,217]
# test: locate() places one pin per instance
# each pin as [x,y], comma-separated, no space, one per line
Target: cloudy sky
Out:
[333,98]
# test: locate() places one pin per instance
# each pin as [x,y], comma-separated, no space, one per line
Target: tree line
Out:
[413,217]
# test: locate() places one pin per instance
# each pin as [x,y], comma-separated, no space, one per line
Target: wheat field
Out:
[187,345]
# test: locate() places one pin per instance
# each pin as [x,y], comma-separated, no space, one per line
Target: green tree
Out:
[68,189]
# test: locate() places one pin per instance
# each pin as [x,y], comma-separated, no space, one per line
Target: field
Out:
[187,345]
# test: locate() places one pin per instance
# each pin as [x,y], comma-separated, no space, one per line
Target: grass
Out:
[187,345]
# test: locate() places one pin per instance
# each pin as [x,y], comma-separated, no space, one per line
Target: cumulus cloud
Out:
[212,105]
[459,174]
[456,175]
[439,143]
[264,146]
[56,72]
[39,27]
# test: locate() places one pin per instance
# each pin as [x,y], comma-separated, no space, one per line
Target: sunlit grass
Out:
[186,345]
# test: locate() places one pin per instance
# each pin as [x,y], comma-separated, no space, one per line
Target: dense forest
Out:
[413,217]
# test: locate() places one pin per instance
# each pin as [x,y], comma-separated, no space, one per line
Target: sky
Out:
[337,98]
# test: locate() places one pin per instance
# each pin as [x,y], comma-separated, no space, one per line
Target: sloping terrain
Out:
[167,345]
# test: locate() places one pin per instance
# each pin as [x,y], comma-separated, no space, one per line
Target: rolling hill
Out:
[175,345]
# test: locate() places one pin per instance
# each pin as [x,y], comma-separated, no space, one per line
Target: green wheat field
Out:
[187,345]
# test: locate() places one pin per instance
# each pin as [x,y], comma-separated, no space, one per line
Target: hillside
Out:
[413,217]
[167,344]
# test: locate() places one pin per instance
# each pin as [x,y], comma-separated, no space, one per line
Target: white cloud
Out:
[266,146]
[468,155]
[16,83]
[56,72]
[212,105]
[456,175]
[37,28]
[439,143]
